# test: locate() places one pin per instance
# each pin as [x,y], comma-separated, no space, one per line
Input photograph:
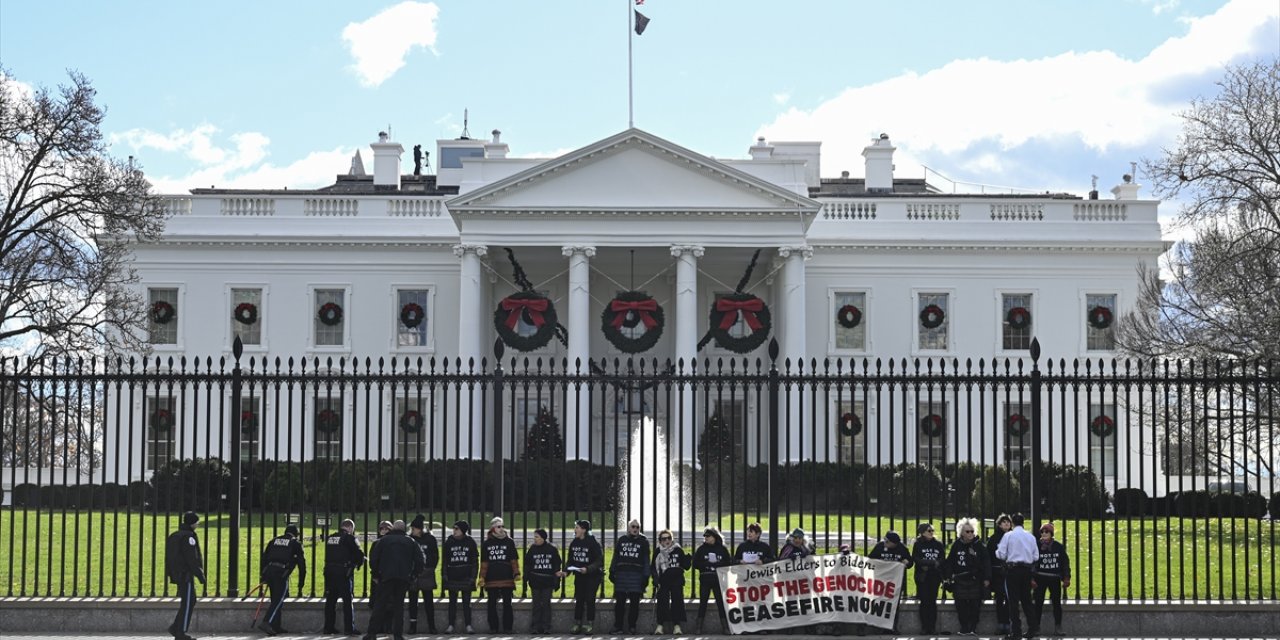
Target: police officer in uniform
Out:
[342,556]
[184,565]
[1019,551]
[281,556]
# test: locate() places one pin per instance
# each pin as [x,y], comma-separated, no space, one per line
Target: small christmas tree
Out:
[715,445]
[544,441]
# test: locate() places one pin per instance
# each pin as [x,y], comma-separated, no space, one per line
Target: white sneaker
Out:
[676,630]
[470,629]
[658,631]
[448,629]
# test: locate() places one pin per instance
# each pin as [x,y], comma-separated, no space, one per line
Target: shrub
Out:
[1194,504]
[140,494]
[346,489]
[283,489]
[996,491]
[1070,491]
[1274,506]
[197,483]
[1239,505]
[1131,502]
[26,495]
[917,489]
[962,477]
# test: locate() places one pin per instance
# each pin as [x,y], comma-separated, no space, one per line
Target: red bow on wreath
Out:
[643,308]
[748,309]
[515,307]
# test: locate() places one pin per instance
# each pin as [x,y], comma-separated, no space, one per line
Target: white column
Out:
[792,303]
[686,339]
[470,347]
[578,409]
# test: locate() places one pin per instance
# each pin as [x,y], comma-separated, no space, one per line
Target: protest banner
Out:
[814,590]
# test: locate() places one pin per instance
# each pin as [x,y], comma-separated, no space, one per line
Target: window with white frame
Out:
[411,317]
[1100,310]
[162,424]
[933,317]
[162,315]
[1017,434]
[852,430]
[329,425]
[246,315]
[250,428]
[330,317]
[409,437]
[850,324]
[1015,316]
[1102,427]
[932,424]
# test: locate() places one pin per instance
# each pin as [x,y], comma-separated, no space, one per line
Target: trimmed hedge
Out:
[1274,506]
[1132,502]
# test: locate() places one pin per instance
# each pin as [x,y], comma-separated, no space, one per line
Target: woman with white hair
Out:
[629,573]
[968,571]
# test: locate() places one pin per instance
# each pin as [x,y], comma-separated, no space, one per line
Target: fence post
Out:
[1036,386]
[233,548]
[498,488]
[773,442]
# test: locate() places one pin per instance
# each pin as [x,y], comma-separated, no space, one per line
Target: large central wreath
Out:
[729,308]
[628,310]
[530,306]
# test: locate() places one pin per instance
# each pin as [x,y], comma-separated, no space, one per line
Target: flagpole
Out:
[631,34]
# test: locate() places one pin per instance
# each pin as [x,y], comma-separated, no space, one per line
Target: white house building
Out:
[637,211]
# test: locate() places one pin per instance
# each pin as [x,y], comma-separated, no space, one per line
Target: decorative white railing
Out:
[1019,211]
[343,207]
[248,206]
[933,211]
[415,207]
[1100,211]
[851,210]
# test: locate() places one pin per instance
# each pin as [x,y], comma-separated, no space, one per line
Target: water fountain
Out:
[648,488]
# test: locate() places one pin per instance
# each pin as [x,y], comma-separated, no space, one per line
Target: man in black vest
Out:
[395,561]
[184,566]
[342,556]
[281,556]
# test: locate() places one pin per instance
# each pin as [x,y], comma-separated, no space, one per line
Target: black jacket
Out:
[897,554]
[709,557]
[342,550]
[500,563]
[967,567]
[587,554]
[182,560]
[629,569]
[759,549]
[284,554]
[430,557]
[396,557]
[1053,562]
[461,562]
[541,562]
[928,556]
[671,575]
[997,565]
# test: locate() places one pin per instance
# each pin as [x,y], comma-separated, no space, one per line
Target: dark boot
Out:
[697,628]
[413,626]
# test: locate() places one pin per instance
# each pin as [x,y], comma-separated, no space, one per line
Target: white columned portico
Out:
[578,411]
[686,351]
[470,344]
[792,303]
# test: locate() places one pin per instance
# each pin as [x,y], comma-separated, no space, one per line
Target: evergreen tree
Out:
[544,442]
[715,445]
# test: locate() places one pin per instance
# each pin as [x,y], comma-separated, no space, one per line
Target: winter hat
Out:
[385,524]
[463,526]
[893,537]
[291,529]
[1047,528]
[348,525]
[585,525]
[419,521]
[190,518]
[923,527]
[797,533]
[541,533]
[844,548]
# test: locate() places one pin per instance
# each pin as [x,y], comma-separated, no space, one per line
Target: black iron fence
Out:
[1159,476]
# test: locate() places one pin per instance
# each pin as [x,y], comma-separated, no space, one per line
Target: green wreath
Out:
[330,314]
[932,316]
[849,316]
[411,421]
[725,312]
[412,315]
[535,309]
[1018,318]
[1103,426]
[248,421]
[850,425]
[1100,317]
[162,312]
[1018,425]
[246,313]
[932,425]
[630,309]
[162,420]
[328,420]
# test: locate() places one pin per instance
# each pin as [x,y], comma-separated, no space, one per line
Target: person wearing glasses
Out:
[927,554]
[629,573]
[968,572]
[670,561]
[586,559]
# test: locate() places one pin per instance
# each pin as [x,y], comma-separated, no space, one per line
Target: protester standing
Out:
[1003,524]
[753,550]
[796,546]
[709,556]
[395,561]
[342,556]
[629,573]
[425,583]
[499,571]
[892,549]
[670,561]
[586,563]
[183,564]
[928,554]
[968,571]
[461,562]
[542,574]
[1052,574]
[1019,551]
[280,557]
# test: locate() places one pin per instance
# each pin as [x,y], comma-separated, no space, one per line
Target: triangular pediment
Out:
[633,171]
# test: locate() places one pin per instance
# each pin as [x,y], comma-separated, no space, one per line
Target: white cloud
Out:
[1160,6]
[968,109]
[239,165]
[380,44]
[782,97]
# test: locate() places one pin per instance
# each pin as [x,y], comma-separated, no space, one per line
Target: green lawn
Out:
[115,554]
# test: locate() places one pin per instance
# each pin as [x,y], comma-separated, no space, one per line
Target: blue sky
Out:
[273,94]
